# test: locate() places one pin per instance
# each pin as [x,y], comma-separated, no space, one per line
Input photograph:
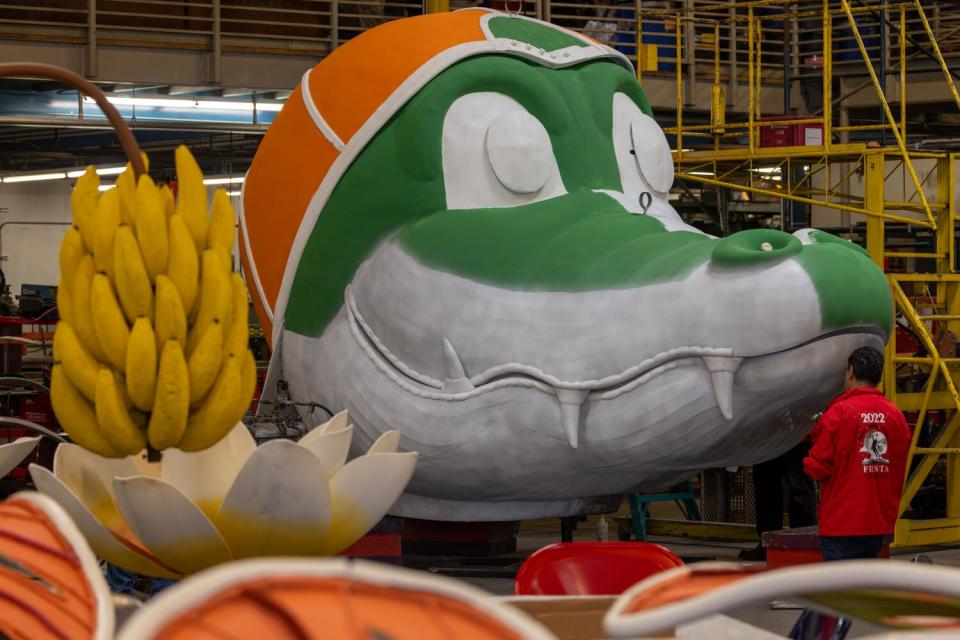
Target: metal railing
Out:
[711,31]
[296,27]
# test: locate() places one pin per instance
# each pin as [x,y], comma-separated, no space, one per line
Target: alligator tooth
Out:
[571,401]
[455,378]
[722,371]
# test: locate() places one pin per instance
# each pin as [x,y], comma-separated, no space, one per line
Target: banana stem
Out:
[84,86]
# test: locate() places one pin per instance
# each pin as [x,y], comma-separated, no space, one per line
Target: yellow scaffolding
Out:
[928,304]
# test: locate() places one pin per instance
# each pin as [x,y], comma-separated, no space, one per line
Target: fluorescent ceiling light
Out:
[101,171]
[767,170]
[179,103]
[229,180]
[700,173]
[234,194]
[34,177]
[106,187]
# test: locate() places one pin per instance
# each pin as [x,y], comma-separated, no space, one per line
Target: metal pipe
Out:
[39,223]
[884,64]
[734,100]
[71,123]
[216,62]
[903,72]
[827,75]
[750,75]
[638,34]
[92,38]
[677,66]
[334,24]
[689,57]
[886,109]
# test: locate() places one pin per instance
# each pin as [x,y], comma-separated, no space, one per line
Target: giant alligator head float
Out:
[443,233]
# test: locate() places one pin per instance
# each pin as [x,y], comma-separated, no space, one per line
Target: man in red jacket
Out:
[859,457]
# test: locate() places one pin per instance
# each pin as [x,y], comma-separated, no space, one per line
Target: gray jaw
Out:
[503,450]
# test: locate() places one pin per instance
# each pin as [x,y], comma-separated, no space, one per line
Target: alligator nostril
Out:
[754,247]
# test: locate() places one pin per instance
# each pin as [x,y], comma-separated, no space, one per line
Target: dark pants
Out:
[850,547]
[769,479]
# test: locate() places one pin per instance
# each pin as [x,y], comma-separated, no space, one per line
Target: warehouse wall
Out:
[31,251]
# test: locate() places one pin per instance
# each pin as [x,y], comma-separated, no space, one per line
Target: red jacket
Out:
[859,457]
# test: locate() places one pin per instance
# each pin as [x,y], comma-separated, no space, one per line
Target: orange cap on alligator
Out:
[339,106]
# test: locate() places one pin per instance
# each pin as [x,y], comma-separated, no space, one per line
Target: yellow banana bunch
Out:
[151,348]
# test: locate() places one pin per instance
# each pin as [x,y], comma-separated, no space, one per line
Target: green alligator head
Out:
[499,275]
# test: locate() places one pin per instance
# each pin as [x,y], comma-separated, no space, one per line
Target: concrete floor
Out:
[534,535]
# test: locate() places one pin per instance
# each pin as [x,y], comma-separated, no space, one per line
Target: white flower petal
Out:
[331,447]
[101,540]
[335,423]
[205,476]
[278,505]
[171,526]
[362,492]
[70,460]
[389,442]
[13,453]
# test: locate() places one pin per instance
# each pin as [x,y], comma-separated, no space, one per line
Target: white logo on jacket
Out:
[874,445]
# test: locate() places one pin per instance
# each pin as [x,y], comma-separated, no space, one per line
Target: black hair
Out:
[867,364]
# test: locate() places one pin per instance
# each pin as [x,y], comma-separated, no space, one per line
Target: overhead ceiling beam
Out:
[73,123]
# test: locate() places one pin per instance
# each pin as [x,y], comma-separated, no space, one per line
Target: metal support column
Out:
[91,38]
[334,24]
[216,60]
[873,191]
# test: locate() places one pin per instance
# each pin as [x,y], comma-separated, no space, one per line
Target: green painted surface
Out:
[398,178]
[852,290]
[535,33]
[580,242]
[754,247]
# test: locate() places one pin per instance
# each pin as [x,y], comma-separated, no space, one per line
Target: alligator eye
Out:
[519,151]
[652,152]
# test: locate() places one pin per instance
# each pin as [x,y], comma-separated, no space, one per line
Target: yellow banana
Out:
[215,298]
[150,223]
[76,415]
[169,204]
[122,389]
[77,362]
[127,191]
[218,413]
[237,340]
[133,283]
[80,296]
[171,321]
[183,263]
[141,369]
[204,363]
[71,252]
[221,231]
[115,422]
[64,301]
[171,405]
[83,203]
[191,196]
[107,220]
[111,329]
